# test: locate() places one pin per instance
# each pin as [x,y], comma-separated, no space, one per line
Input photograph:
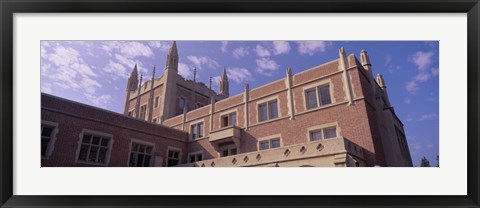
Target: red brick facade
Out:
[358,111]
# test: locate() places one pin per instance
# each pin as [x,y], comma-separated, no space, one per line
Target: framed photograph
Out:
[242,104]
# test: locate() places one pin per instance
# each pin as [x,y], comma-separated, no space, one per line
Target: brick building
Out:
[334,114]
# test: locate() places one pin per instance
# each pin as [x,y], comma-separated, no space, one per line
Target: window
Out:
[229,120]
[156,101]
[330,132]
[154,120]
[268,110]
[94,148]
[325,133]
[46,136]
[182,102]
[269,144]
[195,157]
[229,152]
[323,93]
[196,130]
[199,105]
[131,113]
[311,96]
[173,157]
[316,135]
[140,155]
[143,111]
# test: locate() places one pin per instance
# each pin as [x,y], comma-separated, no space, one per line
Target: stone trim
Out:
[98,133]
[138,141]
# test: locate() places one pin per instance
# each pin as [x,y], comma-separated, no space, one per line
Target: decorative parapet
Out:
[335,152]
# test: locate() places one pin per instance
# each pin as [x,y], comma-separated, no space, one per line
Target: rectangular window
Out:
[46,136]
[140,155]
[196,130]
[325,133]
[330,132]
[269,144]
[131,113]
[264,145]
[229,120]
[268,110]
[173,158]
[316,135]
[229,151]
[157,99]
[311,96]
[94,148]
[262,112]
[324,92]
[143,112]
[275,143]
[182,102]
[195,157]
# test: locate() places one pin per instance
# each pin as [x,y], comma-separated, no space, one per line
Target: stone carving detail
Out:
[303,150]
[245,159]
[234,161]
[287,152]
[320,147]
[259,157]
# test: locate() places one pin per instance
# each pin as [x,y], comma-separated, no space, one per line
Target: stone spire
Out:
[365,60]
[150,98]
[172,58]
[224,88]
[381,83]
[210,85]
[132,84]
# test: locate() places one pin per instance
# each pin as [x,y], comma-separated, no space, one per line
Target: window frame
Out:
[180,103]
[141,142]
[53,138]
[229,119]
[156,101]
[146,112]
[198,130]
[94,133]
[269,140]
[269,112]
[323,129]
[316,87]
[195,154]
[179,155]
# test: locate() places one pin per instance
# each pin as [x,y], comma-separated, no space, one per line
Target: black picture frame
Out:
[9,7]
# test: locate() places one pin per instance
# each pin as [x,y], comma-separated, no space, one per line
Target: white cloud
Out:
[224,46]
[427,117]
[129,64]
[262,51]
[185,71]
[129,49]
[46,87]
[68,70]
[407,100]
[391,67]
[281,47]
[266,66]
[240,52]
[100,101]
[116,70]
[311,47]
[422,59]
[239,75]
[201,61]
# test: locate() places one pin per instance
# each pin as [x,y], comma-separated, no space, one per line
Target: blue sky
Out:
[95,72]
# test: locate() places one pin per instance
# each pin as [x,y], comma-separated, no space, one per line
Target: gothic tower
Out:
[172,57]
[224,84]
[132,85]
